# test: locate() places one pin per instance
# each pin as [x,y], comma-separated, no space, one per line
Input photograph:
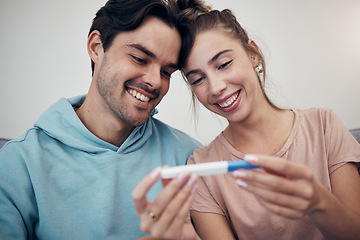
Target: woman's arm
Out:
[212,226]
[291,190]
[340,216]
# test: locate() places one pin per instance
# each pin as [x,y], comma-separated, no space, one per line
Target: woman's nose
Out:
[216,85]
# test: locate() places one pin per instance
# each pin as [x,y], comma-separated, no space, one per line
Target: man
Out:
[71,176]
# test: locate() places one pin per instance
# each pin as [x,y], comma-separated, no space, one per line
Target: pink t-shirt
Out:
[318,139]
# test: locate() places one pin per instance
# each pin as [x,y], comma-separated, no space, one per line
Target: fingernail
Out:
[241,183]
[241,174]
[155,172]
[181,176]
[192,180]
[251,158]
[193,190]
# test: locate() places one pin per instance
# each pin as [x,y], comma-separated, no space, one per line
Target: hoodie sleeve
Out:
[18,211]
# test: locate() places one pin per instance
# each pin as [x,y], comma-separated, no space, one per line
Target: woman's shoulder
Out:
[315,111]
[320,121]
[317,115]
[209,152]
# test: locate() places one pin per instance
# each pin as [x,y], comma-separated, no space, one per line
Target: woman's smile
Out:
[229,103]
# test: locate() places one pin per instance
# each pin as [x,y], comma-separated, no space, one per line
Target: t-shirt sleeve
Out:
[342,146]
[203,200]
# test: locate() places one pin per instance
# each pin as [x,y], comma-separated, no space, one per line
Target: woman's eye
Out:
[222,66]
[197,81]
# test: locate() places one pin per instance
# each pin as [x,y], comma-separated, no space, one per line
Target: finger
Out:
[183,216]
[281,210]
[280,166]
[275,183]
[168,193]
[165,181]
[281,199]
[156,208]
[181,220]
[176,212]
[140,191]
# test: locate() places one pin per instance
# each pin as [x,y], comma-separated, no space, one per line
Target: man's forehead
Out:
[153,38]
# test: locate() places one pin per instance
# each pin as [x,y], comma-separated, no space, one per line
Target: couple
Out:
[82,171]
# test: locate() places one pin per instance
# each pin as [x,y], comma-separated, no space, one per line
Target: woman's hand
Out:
[285,188]
[168,216]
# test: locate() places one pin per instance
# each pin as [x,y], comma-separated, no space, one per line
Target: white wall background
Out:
[312,50]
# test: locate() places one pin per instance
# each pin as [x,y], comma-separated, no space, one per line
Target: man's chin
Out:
[137,117]
[138,121]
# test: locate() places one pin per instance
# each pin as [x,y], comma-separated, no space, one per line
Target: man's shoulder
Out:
[174,134]
[26,141]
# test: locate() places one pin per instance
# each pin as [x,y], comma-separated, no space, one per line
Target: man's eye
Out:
[165,74]
[222,66]
[139,60]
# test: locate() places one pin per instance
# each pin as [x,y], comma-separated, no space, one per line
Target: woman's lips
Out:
[229,101]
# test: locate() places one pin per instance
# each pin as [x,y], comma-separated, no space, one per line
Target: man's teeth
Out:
[229,101]
[139,96]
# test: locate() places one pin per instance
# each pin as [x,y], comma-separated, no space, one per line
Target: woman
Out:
[308,185]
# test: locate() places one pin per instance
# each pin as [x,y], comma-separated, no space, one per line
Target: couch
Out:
[3,141]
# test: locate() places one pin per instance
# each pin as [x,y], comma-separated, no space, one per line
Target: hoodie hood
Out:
[61,122]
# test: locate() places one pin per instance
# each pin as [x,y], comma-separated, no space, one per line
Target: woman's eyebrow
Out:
[192,72]
[213,59]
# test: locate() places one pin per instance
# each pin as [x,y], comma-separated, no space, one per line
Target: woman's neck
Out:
[262,132]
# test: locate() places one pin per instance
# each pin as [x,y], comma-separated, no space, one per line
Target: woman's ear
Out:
[94,45]
[254,53]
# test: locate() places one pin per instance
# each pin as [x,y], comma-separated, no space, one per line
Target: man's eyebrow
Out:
[151,54]
[213,59]
[143,49]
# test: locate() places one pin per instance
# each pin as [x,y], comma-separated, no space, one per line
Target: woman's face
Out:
[222,75]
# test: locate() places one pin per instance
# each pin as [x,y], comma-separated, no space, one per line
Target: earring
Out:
[260,72]
[259,68]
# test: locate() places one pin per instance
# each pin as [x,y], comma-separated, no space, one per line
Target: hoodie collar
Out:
[61,122]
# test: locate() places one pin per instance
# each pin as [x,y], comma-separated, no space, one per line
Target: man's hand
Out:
[168,216]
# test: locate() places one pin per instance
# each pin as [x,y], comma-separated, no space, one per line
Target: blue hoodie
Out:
[59,181]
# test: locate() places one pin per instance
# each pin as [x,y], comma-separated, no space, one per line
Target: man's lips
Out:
[139,96]
[229,101]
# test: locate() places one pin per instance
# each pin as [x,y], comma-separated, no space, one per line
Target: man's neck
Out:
[103,124]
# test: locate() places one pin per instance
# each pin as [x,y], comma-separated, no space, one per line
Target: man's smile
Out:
[139,96]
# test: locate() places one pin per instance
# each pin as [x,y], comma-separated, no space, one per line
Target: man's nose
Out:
[153,78]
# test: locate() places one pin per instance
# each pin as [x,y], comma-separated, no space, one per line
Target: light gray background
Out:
[312,50]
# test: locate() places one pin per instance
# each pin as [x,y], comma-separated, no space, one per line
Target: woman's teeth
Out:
[139,96]
[229,101]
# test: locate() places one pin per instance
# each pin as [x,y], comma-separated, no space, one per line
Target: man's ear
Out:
[94,45]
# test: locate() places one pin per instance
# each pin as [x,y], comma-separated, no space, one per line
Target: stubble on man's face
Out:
[134,73]
[113,95]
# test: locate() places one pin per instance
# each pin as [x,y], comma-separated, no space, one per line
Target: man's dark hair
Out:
[126,15]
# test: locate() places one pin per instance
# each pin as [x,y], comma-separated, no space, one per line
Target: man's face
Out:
[133,75]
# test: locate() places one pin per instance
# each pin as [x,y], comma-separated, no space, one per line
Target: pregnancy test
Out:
[204,169]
